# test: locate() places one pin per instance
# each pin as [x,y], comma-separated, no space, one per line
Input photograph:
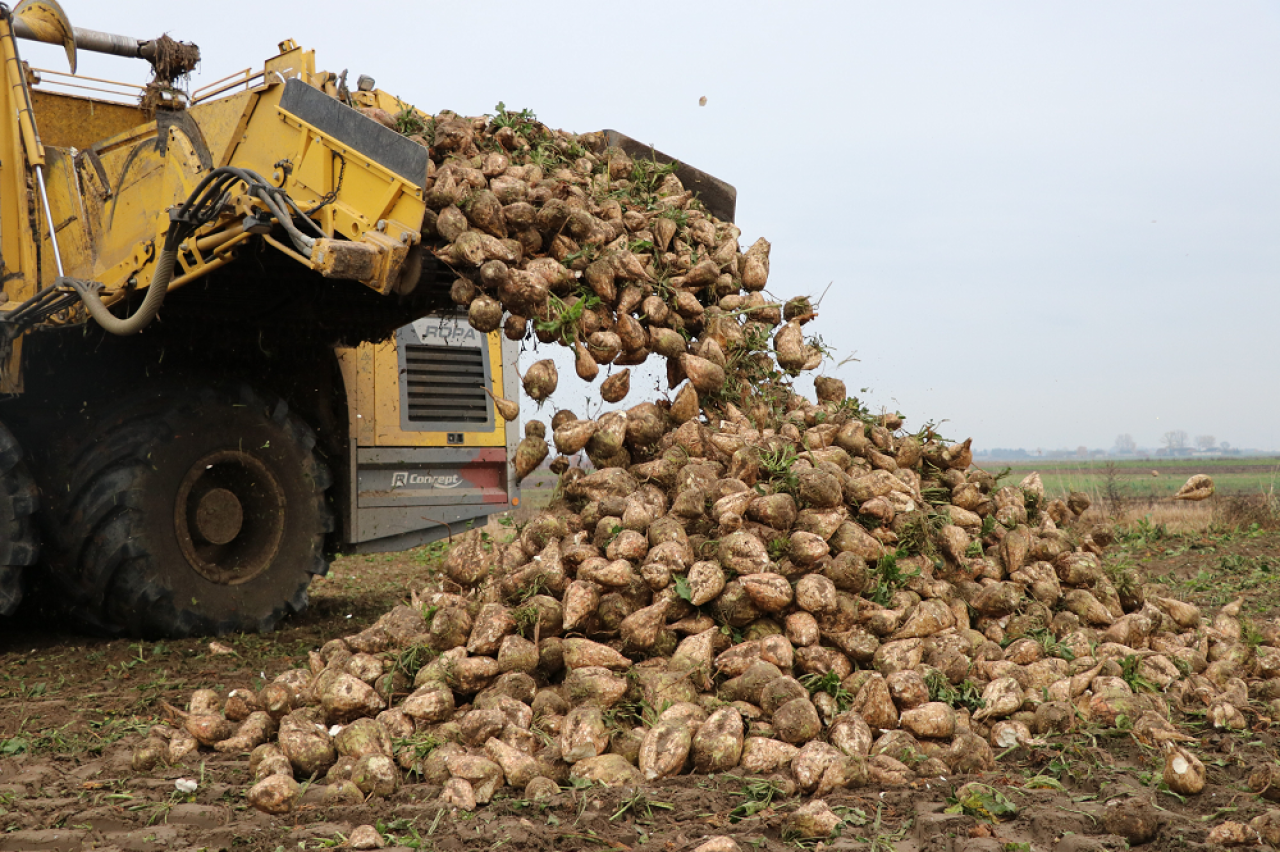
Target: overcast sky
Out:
[1046,224]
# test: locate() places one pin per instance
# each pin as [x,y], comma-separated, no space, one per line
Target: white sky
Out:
[1047,224]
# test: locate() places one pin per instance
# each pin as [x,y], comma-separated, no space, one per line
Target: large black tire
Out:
[19,538]
[199,513]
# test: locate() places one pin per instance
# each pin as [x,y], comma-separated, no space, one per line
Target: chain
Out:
[329,197]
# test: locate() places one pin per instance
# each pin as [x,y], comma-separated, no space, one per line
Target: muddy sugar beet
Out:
[560,238]
[747,580]
[775,596]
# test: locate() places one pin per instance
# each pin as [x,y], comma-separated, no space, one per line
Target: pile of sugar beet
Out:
[746,581]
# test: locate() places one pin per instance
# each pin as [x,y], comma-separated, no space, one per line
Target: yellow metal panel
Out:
[293,61]
[314,168]
[221,122]
[17,243]
[262,138]
[136,169]
[120,219]
[385,101]
[69,219]
[68,121]
[183,173]
[357,367]
[16,79]
[387,410]
[369,192]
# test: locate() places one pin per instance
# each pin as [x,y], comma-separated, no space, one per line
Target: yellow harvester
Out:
[308,387]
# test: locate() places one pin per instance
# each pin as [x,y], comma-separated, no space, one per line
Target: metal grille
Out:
[445,384]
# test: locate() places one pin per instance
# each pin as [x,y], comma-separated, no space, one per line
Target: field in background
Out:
[1141,491]
[1121,491]
[1147,479]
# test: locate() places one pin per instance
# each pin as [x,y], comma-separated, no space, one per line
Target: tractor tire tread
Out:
[19,536]
[105,572]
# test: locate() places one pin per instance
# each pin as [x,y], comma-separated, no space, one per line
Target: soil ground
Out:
[74,708]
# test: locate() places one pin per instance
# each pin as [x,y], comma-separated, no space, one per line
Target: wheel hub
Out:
[229,516]
[219,516]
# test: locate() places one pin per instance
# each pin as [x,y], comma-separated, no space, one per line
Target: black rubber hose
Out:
[220,176]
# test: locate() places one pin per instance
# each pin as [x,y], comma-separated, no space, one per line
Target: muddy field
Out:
[75,708]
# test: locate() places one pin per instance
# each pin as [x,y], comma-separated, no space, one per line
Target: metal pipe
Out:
[217,238]
[305,261]
[90,40]
[225,248]
[240,77]
[116,92]
[53,237]
[94,41]
[212,264]
[82,77]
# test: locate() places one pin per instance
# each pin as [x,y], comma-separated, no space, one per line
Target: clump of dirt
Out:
[171,59]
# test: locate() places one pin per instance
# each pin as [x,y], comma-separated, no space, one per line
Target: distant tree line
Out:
[1175,442]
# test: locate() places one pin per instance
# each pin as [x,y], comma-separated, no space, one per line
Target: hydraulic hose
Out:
[151,303]
[199,208]
[299,239]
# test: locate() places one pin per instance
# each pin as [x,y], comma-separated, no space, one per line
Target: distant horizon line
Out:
[1140,452]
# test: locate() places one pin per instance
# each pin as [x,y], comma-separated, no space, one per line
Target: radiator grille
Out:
[445,384]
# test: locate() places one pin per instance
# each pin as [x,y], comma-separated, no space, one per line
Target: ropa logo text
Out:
[402,479]
[448,333]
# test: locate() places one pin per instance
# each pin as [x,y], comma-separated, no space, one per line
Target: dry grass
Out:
[1173,516]
[1262,510]
[1218,513]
